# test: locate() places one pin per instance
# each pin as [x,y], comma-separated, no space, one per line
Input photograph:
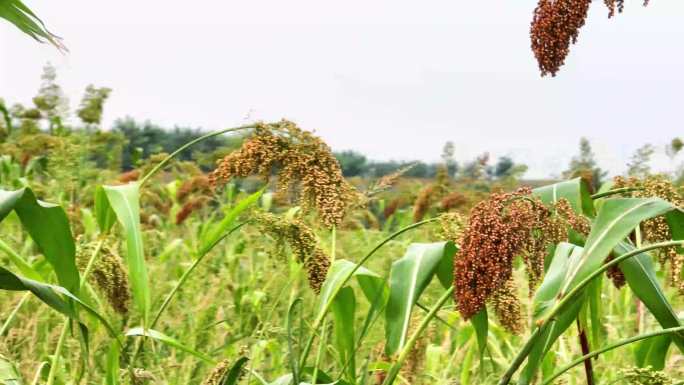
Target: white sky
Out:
[393,79]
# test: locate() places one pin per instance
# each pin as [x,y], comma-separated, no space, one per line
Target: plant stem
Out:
[189,144]
[13,314]
[584,344]
[565,299]
[394,370]
[58,351]
[595,353]
[615,191]
[319,319]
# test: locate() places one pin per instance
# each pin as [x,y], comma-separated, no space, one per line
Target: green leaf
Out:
[112,368]
[124,201]
[216,231]
[371,284]
[48,226]
[23,18]
[480,323]
[9,375]
[235,372]
[566,255]
[344,338]
[172,342]
[51,295]
[675,219]
[24,267]
[105,216]
[615,220]
[409,276]
[652,352]
[574,190]
[641,278]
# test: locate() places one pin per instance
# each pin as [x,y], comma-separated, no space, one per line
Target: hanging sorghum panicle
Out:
[615,274]
[657,229]
[304,162]
[415,359]
[508,308]
[451,227]
[196,184]
[645,376]
[108,274]
[555,25]
[189,207]
[499,229]
[303,243]
[216,375]
[422,203]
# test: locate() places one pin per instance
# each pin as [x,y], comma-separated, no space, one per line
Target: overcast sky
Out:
[393,79]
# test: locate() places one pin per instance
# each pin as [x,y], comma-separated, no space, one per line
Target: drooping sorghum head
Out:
[303,243]
[108,274]
[499,229]
[555,25]
[304,164]
[507,307]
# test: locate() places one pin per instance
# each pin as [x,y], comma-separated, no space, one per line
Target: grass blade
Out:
[161,337]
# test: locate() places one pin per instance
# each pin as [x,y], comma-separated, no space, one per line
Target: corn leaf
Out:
[48,226]
[161,337]
[409,276]
[124,201]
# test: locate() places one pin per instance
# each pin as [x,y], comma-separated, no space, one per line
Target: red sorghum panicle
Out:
[303,243]
[615,274]
[499,229]
[189,207]
[304,164]
[196,184]
[422,202]
[555,25]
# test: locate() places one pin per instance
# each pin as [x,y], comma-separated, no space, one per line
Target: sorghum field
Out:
[256,255]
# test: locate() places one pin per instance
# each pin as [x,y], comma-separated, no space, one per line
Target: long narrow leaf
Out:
[161,337]
[48,226]
[124,201]
[409,276]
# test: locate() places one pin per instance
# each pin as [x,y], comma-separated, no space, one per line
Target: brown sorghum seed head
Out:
[189,207]
[645,376]
[499,229]
[303,243]
[453,200]
[615,274]
[217,374]
[423,202]
[129,176]
[108,274]
[196,184]
[304,162]
[451,227]
[392,207]
[508,308]
[556,25]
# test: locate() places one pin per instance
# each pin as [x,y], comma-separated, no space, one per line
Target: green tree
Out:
[51,101]
[584,165]
[638,164]
[352,163]
[92,104]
